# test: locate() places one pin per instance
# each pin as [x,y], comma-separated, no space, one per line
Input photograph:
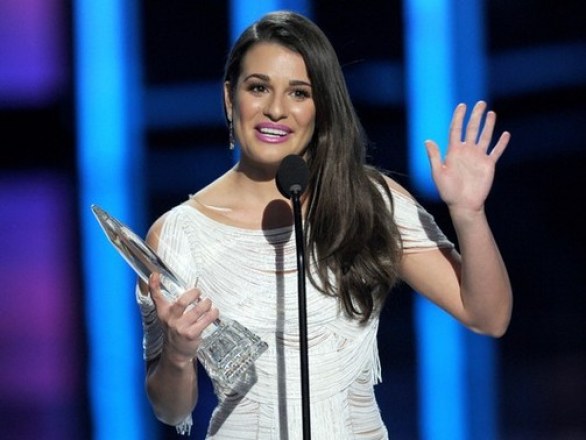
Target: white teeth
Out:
[273,131]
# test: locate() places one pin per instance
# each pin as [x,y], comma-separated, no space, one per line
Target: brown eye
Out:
[301,94]
[257,88]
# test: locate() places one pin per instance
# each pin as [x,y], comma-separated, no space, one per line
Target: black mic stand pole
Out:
[300,242]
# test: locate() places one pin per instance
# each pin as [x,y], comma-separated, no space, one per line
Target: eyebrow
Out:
[294,82]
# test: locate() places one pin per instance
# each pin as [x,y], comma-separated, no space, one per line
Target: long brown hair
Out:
[351,233]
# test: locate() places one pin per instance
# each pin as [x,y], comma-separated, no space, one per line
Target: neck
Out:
[257,185]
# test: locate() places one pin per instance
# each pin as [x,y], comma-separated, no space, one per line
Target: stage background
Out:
[536,81]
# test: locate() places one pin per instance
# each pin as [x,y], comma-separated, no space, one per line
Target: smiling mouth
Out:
[273,132]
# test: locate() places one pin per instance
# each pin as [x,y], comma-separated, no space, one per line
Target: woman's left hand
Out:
[465,177]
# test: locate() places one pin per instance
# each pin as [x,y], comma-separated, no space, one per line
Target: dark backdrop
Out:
[537,85]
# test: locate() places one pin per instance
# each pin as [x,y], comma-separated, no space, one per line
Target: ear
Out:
[228,101]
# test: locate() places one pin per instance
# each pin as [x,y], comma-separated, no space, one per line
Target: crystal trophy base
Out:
[228,350]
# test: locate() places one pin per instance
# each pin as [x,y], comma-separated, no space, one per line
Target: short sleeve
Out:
[418,228]
[176,248]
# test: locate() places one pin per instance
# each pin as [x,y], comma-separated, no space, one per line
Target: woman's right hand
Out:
[183,321]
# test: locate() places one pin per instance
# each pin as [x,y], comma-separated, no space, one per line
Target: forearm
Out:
[485,286]
[172,388]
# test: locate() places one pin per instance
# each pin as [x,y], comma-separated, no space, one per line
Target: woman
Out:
[284,93]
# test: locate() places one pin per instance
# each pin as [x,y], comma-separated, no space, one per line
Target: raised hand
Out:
[465,177]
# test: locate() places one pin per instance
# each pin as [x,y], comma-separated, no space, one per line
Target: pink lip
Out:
[273,126]
[271,138]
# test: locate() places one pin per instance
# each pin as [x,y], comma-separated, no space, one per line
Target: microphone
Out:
[292,176]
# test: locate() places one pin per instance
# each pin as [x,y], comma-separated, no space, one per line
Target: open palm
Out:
[465,177]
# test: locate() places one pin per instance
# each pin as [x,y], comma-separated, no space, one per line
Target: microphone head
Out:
[292,175]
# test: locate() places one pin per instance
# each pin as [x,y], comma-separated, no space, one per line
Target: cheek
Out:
[248,108]
[306,118]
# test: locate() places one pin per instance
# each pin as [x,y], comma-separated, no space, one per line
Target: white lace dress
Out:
[251,276]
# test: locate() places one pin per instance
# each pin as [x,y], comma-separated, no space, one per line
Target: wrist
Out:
[461,215]
[176,361]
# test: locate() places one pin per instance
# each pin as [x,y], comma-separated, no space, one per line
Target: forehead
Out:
[275,61]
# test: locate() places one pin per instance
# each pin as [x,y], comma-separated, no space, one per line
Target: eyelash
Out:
[304,93]
[259,88]
[256,87]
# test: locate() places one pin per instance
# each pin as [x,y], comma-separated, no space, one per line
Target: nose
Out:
[276,108]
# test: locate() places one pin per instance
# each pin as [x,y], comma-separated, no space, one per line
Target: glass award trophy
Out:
[228,349]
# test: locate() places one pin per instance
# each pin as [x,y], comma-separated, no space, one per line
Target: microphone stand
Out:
[299,240]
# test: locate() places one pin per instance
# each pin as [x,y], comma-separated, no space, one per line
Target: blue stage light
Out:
[445,65]
[109,161]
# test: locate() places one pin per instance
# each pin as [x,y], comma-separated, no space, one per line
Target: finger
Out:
[204,313]
[189,297]
[200,316]
[473,127]
[457,124]
[487,130]
[202,307]
[161,303]
[500,146]
[155,286]
[212,315]
[434,155]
